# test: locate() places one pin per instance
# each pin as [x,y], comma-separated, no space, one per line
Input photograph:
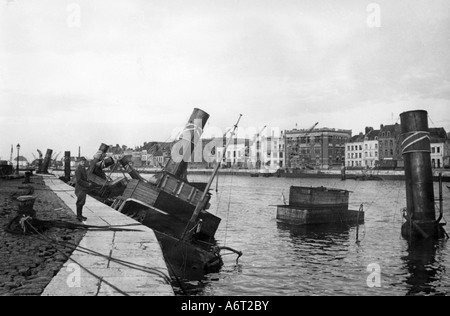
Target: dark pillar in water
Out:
[130,170]
[67,168]
[47,160]
[421,218]
[343,173]
[181,155]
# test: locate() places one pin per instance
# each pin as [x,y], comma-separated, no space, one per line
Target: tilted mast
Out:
[202,202]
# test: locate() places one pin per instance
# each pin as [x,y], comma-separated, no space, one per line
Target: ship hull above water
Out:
[187,260]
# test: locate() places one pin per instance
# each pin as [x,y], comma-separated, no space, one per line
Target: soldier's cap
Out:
[83,159]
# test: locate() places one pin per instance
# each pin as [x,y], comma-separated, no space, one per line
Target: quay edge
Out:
[80,275]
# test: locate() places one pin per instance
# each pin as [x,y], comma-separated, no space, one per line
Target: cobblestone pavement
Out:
[28,264]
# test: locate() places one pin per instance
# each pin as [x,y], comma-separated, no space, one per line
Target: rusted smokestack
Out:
[98,157]
[421,217]
[183,150]
[47,160]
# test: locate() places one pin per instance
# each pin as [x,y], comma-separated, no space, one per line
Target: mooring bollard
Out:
[27,177]
[67,169]
[26,204]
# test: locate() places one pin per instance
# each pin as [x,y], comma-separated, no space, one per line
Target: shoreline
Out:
[395,175]
[28,264]
[106,262]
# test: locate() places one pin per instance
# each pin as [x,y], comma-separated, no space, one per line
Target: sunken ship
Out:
[175,208]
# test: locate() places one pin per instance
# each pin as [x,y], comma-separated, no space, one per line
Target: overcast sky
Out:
[82,73]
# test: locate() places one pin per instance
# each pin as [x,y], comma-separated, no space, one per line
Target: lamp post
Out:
[18,149]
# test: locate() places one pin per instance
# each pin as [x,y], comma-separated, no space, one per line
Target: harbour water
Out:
[280,260]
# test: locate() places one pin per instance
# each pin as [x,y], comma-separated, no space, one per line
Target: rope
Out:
[80,265]
[98,254]
[415,138]
[92,252]
[229,206]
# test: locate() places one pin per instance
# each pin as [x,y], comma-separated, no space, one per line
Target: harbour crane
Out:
[297,157]
[262,130]
[311,129]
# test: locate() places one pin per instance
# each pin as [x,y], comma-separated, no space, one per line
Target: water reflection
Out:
[325,232]
[424,268]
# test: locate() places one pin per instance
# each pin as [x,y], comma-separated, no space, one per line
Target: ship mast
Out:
[202,202]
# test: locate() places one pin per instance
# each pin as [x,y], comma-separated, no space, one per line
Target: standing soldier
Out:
[82,186]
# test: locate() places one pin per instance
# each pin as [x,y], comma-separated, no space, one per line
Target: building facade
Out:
[439,143]
[267,153]
[235,155]
[354,152]
[363,150]
[318,148]
[390,152]
[371,148]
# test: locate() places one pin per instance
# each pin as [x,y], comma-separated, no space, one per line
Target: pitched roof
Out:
[438,135]
[438,132]
[357,138]
[373,134]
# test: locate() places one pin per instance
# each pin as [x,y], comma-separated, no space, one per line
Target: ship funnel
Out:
[96,163]
[416,149]
[46,163]
[185,149]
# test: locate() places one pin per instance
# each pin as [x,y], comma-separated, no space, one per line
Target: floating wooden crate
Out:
[318,197]
[318,205]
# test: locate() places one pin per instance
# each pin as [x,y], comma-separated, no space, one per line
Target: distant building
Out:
[354,152]
[317,148]
[235,155]
[267,152]
[371,148]
[362,151]
[160,159]
[439,142]
[390,152]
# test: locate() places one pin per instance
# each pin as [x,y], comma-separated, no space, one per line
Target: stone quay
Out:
[123,258]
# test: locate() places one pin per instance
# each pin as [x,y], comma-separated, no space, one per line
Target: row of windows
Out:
[387,143]
[317,139]
[360,147]
[367,155]
[360,163]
